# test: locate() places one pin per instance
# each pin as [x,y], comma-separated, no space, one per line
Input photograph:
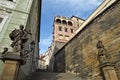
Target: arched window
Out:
[70,23]
[58,21]
[64,22]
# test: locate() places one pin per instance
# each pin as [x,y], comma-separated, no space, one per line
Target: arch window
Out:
[64,22]
[70,23]
[58,21]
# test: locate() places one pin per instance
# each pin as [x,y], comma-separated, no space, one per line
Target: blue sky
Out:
[67,8]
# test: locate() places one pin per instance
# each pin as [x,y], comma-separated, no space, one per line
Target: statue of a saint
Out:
[19,37]
[102,54]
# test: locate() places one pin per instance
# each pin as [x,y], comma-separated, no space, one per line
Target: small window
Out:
[60,28]
[60,36]
[66,30]
[64,22]
[1,19]
[58,21]
[72,30]
[66,37]
[77,19]
[70,23]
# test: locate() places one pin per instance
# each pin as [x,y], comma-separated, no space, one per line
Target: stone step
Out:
[53,76]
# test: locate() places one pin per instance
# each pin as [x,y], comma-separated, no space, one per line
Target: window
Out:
[66,30]
[66,37]
[70,23]
[60,28]
[64,22]
[72,30]
[60,36]
[1,19]
[58,21]
[77,19]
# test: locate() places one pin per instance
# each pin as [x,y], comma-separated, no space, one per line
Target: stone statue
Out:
[5,51]
[102,54]
[19,37]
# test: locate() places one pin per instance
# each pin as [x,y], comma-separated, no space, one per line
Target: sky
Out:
[66,8]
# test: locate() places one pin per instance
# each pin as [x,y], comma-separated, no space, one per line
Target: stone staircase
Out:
[53,76]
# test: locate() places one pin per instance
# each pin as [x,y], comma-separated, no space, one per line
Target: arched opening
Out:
[70,23]
[64,22]
[58,21]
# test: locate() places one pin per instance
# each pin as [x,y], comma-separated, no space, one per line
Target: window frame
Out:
[66,29]
[72,30]
[60,28]
[3,21]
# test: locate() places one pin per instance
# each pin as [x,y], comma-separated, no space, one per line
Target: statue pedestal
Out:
[108,71]
[11,67]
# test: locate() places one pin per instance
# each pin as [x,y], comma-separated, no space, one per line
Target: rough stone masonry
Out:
[80,54]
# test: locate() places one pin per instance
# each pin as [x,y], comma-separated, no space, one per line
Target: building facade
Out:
[95,55]
[41,63]
[64,28]
[14,13]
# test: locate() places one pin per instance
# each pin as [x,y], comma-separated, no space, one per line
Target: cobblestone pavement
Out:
[53,76]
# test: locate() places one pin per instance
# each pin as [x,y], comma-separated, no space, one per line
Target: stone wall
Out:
[79,55]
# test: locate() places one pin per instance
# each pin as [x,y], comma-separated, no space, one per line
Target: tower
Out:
[64,28]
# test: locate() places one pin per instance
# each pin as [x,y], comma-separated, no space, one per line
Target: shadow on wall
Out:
[59,65]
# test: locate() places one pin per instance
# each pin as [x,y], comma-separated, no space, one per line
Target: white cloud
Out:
[45,43]
[76,4]
[76,7]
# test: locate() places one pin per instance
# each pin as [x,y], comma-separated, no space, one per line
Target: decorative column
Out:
[13,60]
[106,66]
